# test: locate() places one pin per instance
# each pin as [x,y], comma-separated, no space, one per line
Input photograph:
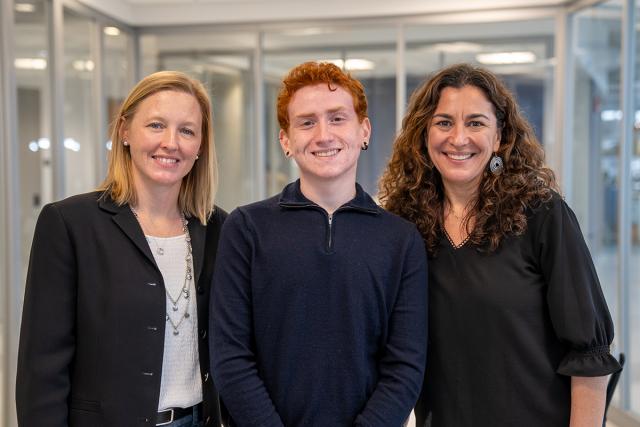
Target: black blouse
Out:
[507,329]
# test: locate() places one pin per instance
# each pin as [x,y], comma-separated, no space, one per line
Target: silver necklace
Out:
[184,292]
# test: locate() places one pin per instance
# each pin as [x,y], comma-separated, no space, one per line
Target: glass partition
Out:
[80,155]
[118,77]
[596,136]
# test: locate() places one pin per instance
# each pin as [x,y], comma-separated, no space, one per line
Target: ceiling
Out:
[184,12]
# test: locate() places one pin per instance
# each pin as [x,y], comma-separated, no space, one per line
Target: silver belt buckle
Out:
[170,420]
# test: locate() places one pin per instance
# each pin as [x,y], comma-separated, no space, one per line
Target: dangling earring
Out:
[495,164]
[365,145]
[125,143]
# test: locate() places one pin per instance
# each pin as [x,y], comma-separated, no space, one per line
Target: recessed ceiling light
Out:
[25,7]
[353,64]
[30,63]
[111,31]
[503,58]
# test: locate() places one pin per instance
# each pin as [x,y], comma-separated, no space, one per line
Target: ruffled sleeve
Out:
[577,306]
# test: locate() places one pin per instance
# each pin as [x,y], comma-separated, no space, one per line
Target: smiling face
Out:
[164,137]
[325,136]
[463,135]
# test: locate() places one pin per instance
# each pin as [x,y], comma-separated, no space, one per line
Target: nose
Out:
[170,140]
[323,131]
[458,135]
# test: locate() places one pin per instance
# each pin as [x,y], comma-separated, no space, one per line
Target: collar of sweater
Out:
[292,197]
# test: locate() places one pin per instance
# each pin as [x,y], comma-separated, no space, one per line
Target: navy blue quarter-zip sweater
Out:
[317,319]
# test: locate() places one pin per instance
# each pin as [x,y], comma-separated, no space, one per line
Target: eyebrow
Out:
[159,117]
[330,111]
[468,117]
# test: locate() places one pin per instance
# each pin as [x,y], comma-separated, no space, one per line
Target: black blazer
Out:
[93,324]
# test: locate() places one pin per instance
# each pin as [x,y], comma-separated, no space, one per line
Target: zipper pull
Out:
[330,219]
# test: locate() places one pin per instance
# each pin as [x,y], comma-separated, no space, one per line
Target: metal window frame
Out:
[10,243]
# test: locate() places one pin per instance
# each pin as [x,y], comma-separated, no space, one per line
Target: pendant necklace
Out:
[188,276]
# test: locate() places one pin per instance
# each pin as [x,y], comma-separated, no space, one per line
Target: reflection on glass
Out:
[79,104]
[369,55]
[596,137]
[118,74]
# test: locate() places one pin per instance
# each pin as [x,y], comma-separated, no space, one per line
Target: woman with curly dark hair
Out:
[519,330]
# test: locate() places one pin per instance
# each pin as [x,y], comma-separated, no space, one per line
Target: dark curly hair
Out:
[412,187]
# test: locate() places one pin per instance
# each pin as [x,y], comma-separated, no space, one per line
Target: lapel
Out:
[130,226]
[123,217]
[197,231]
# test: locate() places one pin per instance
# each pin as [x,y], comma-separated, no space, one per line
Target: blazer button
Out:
[203,333]
[152,328]
[206,377]
[200,290]
[147,374]
[152,284]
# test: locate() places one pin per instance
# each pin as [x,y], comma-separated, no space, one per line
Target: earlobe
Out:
[366,128]
[284,141]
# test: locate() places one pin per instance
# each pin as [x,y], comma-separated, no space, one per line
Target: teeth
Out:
[166,160]
[461,156]
[327,153]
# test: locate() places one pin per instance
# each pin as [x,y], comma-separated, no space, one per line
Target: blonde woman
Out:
[114,328]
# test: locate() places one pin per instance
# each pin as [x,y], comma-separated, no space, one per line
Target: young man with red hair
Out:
[319,295]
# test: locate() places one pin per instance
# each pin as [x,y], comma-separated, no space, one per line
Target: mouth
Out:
[326,153]
[459,156]
[167,161]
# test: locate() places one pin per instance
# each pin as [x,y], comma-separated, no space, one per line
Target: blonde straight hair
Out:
[198,187]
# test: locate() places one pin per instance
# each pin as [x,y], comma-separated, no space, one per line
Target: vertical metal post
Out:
[10,243]
[260,165]
[624,187]
[401,76]
[561,151]
[56,75]
[99,102]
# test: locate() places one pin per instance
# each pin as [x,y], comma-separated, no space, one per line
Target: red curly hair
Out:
[412,186]
[313,73]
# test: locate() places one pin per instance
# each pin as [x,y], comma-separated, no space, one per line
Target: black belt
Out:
[170,415]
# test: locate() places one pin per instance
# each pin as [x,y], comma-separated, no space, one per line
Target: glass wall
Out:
[33,96]
[597,137]
[118,80]
[80,145]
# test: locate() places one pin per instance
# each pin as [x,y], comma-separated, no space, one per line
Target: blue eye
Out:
[188,131]
[155,125]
